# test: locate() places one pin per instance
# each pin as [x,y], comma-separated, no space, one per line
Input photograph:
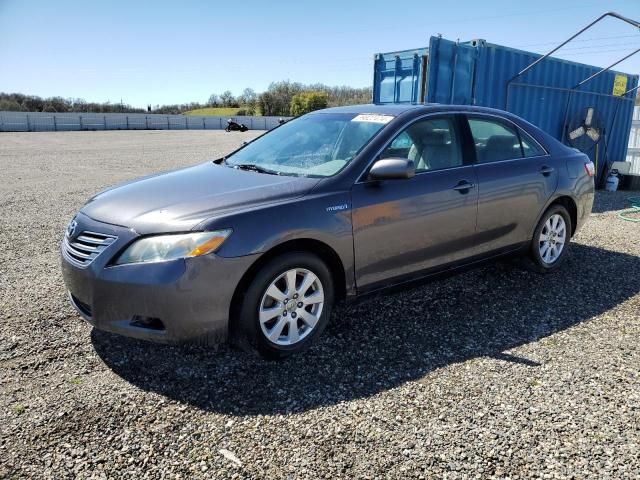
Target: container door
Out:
[451,71]
[398,77]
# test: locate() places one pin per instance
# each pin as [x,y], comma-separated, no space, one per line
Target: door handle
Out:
[464,186]
[546,171]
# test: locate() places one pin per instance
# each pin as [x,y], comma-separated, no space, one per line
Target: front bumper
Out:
[179,301]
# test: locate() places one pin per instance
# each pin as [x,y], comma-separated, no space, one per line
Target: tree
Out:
[306,102]
[248,99]
[33,104]
[266,102]
[57,104]
[227,99]
[9,105]
[248,95]
[214,100]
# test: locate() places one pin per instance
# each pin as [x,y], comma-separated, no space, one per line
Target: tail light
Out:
[590,168]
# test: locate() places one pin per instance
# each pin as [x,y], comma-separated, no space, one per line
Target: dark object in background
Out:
[281,121]
[235,126]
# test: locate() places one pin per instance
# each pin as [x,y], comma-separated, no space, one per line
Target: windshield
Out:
[317,145]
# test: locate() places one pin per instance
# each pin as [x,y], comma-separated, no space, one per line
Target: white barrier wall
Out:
[58,122]
[633,152]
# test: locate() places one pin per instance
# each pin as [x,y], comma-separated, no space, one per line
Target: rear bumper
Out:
[186,300]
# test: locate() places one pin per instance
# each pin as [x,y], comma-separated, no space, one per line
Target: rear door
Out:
[402,227]
[516,177]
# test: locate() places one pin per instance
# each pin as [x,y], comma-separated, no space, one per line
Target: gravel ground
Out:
[495,373]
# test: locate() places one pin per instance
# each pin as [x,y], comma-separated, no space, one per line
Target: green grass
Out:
[214,111]
[18,409]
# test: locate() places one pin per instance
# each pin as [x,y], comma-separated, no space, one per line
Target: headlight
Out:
[170,247]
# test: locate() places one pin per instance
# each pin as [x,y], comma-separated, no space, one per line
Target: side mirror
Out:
[392,169]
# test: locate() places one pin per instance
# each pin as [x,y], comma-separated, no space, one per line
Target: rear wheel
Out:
[551,239]
[287,305]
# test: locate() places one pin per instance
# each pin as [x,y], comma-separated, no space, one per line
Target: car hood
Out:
[182,199]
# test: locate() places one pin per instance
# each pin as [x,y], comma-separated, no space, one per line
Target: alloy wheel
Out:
[552,238]
[291,306]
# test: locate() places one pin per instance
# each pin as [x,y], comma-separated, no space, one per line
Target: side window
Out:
[432,144]
[494,141]
[530,146]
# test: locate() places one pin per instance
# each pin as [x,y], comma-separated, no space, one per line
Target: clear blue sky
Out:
[162,52]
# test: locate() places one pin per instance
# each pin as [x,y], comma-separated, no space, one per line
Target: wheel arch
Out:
[567,202]
[570,204]
[316,247]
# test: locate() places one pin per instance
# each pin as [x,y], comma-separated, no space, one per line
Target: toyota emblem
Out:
[71,228]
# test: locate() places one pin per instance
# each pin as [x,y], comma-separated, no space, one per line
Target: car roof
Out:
[400,108]
[389,109]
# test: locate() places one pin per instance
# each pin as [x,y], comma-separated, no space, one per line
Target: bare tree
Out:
[227,98]
[214,100]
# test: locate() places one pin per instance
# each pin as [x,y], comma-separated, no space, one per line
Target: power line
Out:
[637,35]
[593,52]
[606,45]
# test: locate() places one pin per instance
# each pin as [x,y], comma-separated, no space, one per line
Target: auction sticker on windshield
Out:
[372,118]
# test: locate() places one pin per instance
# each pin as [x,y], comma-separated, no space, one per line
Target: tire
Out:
[275,325]
[548,239]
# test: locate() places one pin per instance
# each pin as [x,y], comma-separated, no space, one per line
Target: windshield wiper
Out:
[253,168]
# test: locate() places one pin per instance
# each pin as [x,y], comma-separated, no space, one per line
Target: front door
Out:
[403,227]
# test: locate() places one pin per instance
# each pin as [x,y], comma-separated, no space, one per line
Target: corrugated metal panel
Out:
[44,121]
[398,76]
[451,72]
[477,73]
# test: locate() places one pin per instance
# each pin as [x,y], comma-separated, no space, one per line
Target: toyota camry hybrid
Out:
[259,245]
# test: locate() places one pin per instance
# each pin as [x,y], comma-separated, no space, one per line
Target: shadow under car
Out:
[387,340]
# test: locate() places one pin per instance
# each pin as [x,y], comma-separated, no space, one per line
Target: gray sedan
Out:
[258,246]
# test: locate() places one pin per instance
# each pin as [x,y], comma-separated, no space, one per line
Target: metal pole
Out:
[606,68]
[55,123]
[28,123]
[80,117]
[630,90]
[395,76]
[413,76]
[104,119]
[546,55]
[453,75]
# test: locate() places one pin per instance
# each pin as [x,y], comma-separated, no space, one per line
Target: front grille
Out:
[83,249]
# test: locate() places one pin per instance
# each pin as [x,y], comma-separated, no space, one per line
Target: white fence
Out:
[59,122]
[633,152]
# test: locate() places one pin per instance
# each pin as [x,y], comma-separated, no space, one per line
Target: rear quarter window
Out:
[530,147]
[494,141]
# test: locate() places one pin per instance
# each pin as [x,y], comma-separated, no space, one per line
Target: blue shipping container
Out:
[478,73]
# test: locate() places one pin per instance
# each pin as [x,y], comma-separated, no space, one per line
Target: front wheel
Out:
[287,305]
[551,239]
